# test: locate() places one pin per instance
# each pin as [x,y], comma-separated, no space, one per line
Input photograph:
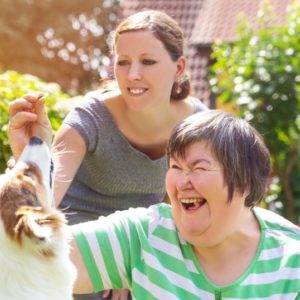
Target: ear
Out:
[181,66]
[36,223]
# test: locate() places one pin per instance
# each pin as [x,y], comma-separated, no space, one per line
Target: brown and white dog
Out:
[34,247]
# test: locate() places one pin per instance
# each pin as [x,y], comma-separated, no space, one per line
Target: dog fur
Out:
[34,254]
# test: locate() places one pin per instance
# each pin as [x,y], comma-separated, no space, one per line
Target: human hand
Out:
[28,117]
[121,294]
[10,164]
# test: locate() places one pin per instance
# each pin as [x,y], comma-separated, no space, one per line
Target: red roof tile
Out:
[185,12]
[218,18]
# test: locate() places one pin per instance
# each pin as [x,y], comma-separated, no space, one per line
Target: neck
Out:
[226,262]
[154,120]
[246,236]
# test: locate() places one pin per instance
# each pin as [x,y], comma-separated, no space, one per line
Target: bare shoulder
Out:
[115,103]
[110,95]
[189,106]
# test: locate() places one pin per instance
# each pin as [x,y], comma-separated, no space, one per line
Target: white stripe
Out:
[290,296]
[168,224]
[120,217]
[93,243]
[271,233]
[268,254]
[165,247]
[181,239]
[176,279]
[272,277]
[152,288]
[283,232]
[191,266]
[272,217]
[281,251]
[172,250]
[118,255]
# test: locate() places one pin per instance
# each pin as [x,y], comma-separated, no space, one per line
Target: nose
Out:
[134,71]
[35,141]
[184,181]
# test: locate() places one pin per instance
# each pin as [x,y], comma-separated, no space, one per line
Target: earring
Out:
[178,89]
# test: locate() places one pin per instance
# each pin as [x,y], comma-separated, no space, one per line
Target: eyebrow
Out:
[200,160]
[142,54]
[196,161]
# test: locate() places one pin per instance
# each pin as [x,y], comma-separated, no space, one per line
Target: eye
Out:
[148,62]
[174,166]
[29,173]
[200,168]
[122,62]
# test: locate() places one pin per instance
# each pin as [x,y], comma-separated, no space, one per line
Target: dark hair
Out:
[237,146]
[165,29]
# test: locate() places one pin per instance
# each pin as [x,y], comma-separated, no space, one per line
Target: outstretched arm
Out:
[83,284]
[68,151]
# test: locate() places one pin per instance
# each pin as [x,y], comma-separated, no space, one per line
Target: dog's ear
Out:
[38,224]
[14,194]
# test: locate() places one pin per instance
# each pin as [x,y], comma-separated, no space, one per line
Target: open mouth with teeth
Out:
[137,91]
[192,204]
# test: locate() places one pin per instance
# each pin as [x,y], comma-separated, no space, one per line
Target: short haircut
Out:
[237,146]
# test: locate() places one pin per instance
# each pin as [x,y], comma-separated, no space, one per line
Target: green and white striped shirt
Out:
[141,249]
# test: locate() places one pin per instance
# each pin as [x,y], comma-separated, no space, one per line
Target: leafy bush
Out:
[259,75]
[14,85]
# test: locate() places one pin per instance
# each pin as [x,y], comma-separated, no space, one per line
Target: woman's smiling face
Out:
[199,197]
[144,69]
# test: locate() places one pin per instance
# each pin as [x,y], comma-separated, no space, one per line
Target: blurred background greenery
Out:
[259,76]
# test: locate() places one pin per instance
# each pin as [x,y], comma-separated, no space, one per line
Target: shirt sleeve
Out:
[110,247]
[86,119]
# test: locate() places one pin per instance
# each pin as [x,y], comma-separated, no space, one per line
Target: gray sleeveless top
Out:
[113,174]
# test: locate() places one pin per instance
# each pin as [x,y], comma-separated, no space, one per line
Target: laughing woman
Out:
[213,241]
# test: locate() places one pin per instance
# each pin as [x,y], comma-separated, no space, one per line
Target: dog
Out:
[34,238]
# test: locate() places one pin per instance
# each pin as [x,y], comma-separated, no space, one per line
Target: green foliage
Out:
[259,75]
[14,85]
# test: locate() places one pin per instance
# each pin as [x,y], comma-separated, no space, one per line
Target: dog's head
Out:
[26,201]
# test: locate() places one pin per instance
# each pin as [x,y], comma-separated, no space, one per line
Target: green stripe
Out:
[140,292]
[178,266]
[165,210]
[125,249]
[89,261]
[162,280]
[110,264]
[167,235]
[263,290]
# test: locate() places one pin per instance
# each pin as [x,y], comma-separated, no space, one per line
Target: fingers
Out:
[10,164]
[33,97]
[18,106]
[20,119]
[30,102]
[30,108]
[40,107]
[106,293]
[120,294]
